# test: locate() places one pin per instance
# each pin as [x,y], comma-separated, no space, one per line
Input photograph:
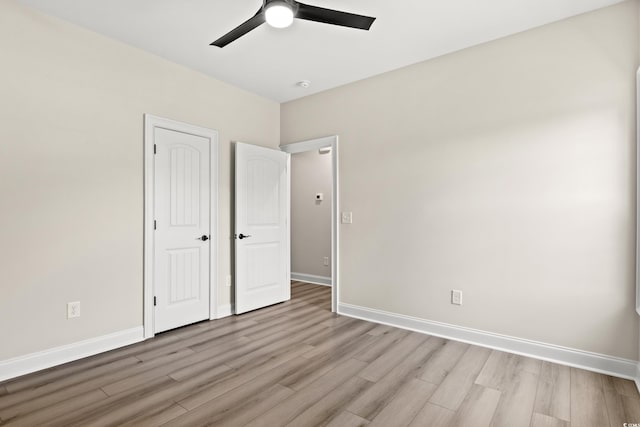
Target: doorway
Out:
[329,143]
[180,224]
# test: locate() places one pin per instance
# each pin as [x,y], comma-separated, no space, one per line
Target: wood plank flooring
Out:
[297,364]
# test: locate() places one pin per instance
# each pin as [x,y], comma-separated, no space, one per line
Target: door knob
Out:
[243,236]
[204,238]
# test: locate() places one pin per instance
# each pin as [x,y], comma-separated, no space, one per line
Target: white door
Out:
[261,227]
[182,235]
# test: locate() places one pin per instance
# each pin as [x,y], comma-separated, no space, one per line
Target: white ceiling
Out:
[270,62]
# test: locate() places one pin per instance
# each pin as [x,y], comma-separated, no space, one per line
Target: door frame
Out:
[152,122]
[637,197]
[316,144]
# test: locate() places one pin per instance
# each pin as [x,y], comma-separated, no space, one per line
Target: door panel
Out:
[185,186]
[184,274]
[262,210]
[182,218]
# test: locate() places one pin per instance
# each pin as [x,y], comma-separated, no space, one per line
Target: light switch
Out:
[456,297]
[347,217]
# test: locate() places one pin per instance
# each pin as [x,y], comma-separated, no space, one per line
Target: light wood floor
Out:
[297,364]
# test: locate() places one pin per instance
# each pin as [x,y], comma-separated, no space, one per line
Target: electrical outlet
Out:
[456,297]
[347,217]
[73,309]
[325,261]
[228,281]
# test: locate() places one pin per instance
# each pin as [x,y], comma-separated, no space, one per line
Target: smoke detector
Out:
[304,83]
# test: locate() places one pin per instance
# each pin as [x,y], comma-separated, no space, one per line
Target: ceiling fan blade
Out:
[335,17]
[241,30]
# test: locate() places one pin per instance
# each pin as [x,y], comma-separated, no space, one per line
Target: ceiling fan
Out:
[280,14]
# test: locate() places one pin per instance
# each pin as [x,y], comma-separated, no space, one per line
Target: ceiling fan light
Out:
[278,14]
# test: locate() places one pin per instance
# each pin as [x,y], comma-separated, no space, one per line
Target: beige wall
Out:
[310,219]
[71,189]
[506,170]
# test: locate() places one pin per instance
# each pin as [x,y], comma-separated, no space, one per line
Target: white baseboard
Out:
[601,363]
[225,311]
[311,278]
[637,378]
[33,362]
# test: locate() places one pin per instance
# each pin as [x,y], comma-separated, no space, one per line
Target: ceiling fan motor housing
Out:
[292,4]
